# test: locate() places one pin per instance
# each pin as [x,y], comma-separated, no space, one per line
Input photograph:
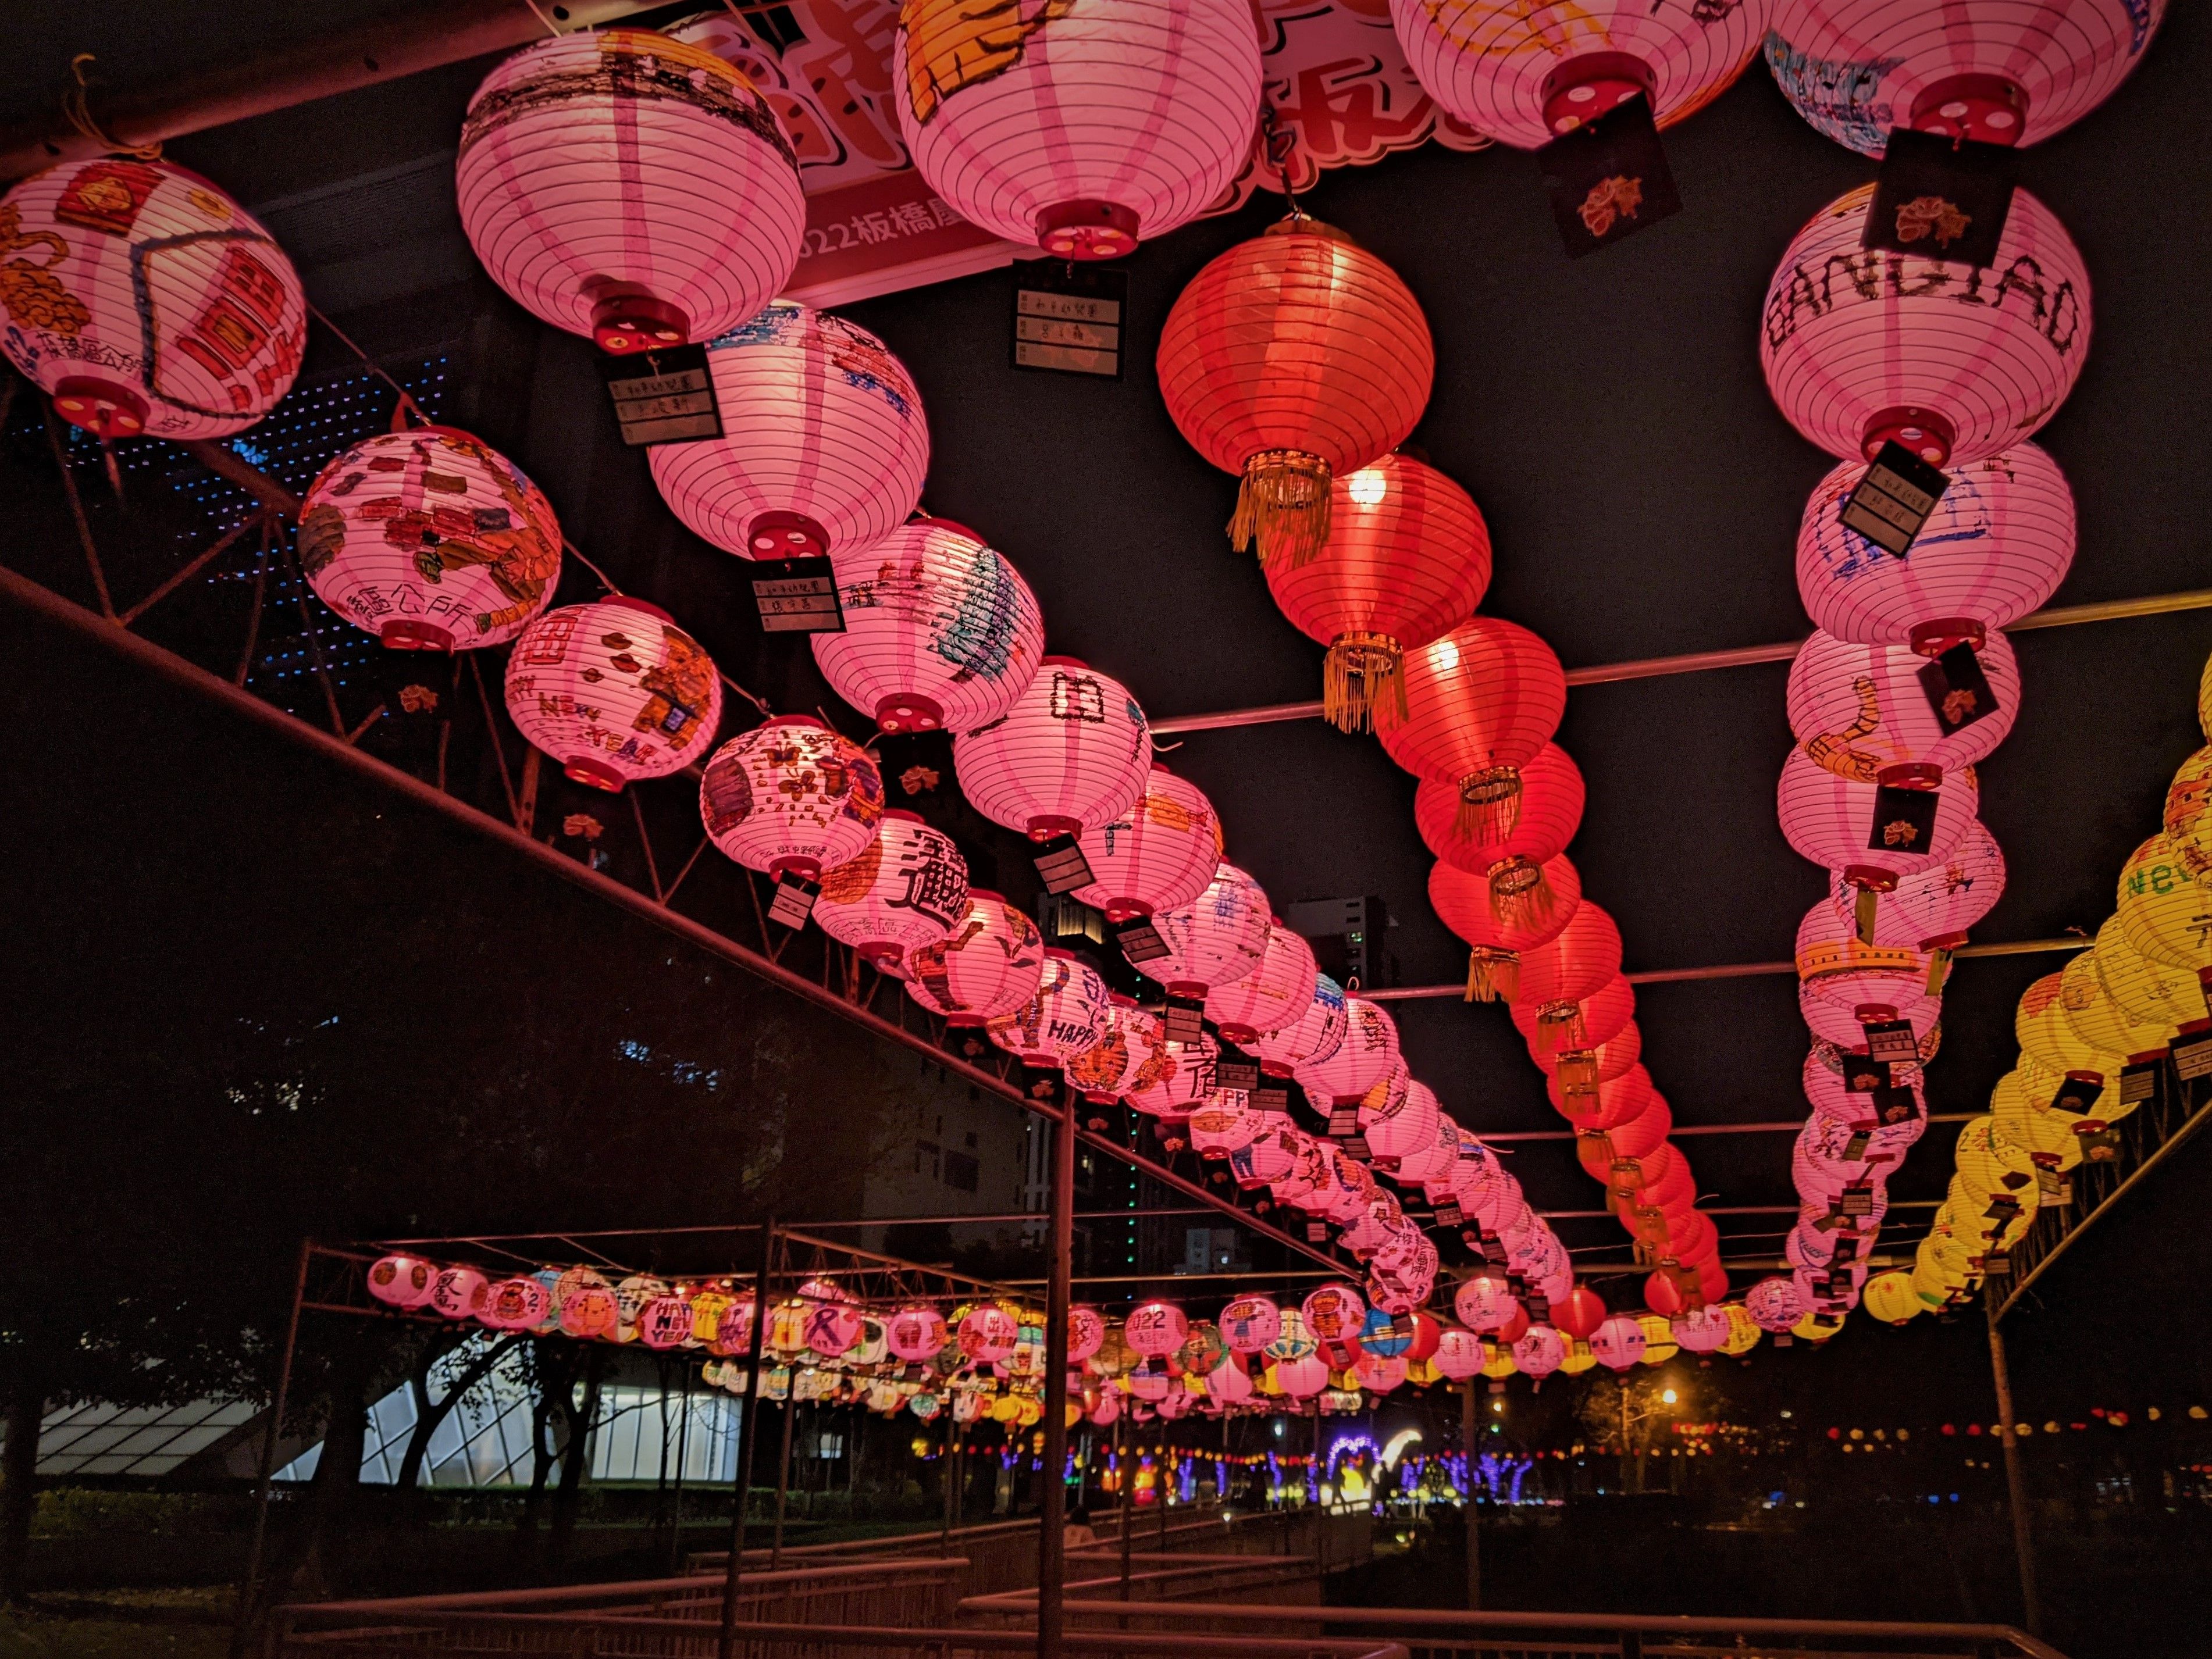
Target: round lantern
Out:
[1158,854]
[1271,1155]
[2185,820]
[1954,362]
[1856,709]
[1996,71]
[1362,1059]
[1550,811]
[1524,74]
[1604,1103]
[906,890]
[624,186]
[1702,1330]
[1556,976]
[1485,1303]
[1250,1323]
[1776,1304]
[1224,1123]
[1580,1312]
[589,1309]
[1838,976]
[1336,1314]
[1272,996]
[1527,906]
[404,1281]
[1291,359]
[1744,1331]
[1086,1334]
[1407,557]
[1303,1378]
[940,631]
[792,796]
[2094,1017]
[1459,1354]
[1933,909]
[988,1335]
[1601,1063]
[1659,1344]
[1378,1373]
[1480,703]
[514,1304]
[1217,939]
[1396,1129]
[1118,1058]
[1890,1298]
[1228,1383]
[665,1323]
[1156,1329]
[2147,993]
[630,1297]
[1558,1026]
[1997,544]
[1312,1037]
[1073,754]
[2162,906]
[1617,1343]
[2047,1038]
[1067,1016]
[614,691]
[991,964]
[430,540]
[146,302]
[1904,819]
[1173,1079]
[459,1292]
[1538,1351]
[824,444]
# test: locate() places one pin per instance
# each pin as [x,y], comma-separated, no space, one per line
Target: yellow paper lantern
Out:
[1579,1356]
[1005,1409]
[2046,1033]
[1817,1327]
[2149,993]
[1497,1360]
[2096,1018]
[1027,1411]
[2165,911]
[1743,1334]
[2186,822]
[2025,1136]
[1659,1344]
[2204,702]
[1890,1298]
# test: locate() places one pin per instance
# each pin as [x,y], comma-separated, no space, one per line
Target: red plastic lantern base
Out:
[1241,1035]
[1128,910]
[1587,86]
[906,711]
[879,952]
[627,320]
[401,634]
[1870,878]
[781,535]
[1925,432]
[1088,230]
[1986,108]
[583,769]
[106,408]
[799,864]
[1874,1013]
[1910,775]
[1933,638]
[1051,824]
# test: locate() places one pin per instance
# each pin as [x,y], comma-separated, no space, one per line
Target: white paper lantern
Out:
[1073,754]
[614,691]
[1314,1036]
[989,965]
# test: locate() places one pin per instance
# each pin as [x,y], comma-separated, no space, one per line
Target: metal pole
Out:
[1052,1551]
[952,1455]
[1126,1465]
[747,1421]
[2023,1540]
[782,1482]
[1469,1431]
[683,1453]
[248,1585]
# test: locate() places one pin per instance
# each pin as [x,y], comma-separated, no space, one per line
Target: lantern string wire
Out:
[1277,144]
[551,27]
[77,106]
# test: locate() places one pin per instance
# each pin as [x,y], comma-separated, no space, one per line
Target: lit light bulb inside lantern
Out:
[1368,487]
[1444,654]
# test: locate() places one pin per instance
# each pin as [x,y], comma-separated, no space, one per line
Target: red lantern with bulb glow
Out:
[906,890]
[1480,704]
[1600,1063]
[1551,810]
[1579,1313]
[614,691]
[1556,976]
[1605,1105]
[1535,902]
[1072,754]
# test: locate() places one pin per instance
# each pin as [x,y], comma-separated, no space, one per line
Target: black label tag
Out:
[1139,940]
[2139,1083]
[1234,1071]
[1608,178]
[2076,1094]
[794,902]
[2046,1182]
[1893,1103]
[1271,1097]
[1186,1020]
[1864,1074]
[1355,1146]
[1957,689]
[1893,499]
[1941,197]
[1903,820]
[1317,1233]
[1344,1120]
[1448,1214]
[1540,1309]
[2192,1056]
[1070,318]
[796,596]
[2101,1144]
[1891,1039]
[1061,866]
[663,396]
[1997,1264]
[1855,1148]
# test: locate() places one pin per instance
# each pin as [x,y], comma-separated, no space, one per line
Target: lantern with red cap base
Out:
[627,186]
[1903,820]
[908,889]
[1072,754]
[1270,997]
[1603,1104]
[1600,1063]
[1550,811]
[1534,904]
[1579,1313]
[1158,854]
[1289,360]
[791,797]
[1581,961]
[1066,1015]
[1219,938]
[614,691]
[1120,1057]
[1364,1057]
[1932,910]
[1856,709]
[1480,703]
[989,965]
[1313,1036]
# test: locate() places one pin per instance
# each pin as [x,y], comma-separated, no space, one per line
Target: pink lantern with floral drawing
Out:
[792,796]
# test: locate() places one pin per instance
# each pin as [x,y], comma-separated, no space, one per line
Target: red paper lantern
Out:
[1272,996]
[1856,709]
[1873,833]
[1578,962]
[1602,1062]
[1407,557]
[1558,1027]
[792,796]
[614,691]
[1602,1104]
[1218,939]
[624,186]
[908,889]
[1996,71]
[1550,811]
[1066,1015]
[1159,854]
[1662,1295]
[1480,704]
[1955,362]
[1498,924]
[1579,1313]
[1289,360]
[1073,754]
[1523,75]
[1635,1138]
[989,965]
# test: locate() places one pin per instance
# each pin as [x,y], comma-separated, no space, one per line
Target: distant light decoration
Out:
[1073,754]
[1776,1304]
[2162,906]
[1219,938]
[1362,1059]
[907,890]
[1485,1302]
[1555,978]
[403,1281]
[989,965]
[1522,77]
[1272,996]
[824,445]
[1314,1036]
[792,796]
[1903,821]
[1156,1329]
[1702,1330]
[146,302]
[1527,907]
[1067,1016]
[1954,362]
[1289,360]
[1407,557]
[1934,909]
[629,187]
[1481,702]
[1077,131]
[614,691]
[1998,71]
[988,1335]
[1856,709]
[2000,541]
[940,631]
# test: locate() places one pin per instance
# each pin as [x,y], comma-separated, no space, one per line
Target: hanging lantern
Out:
[989,965]
[1907,818]
[1156,1329]
[1224,1122]
[1890,1298]
[2162,907]
[940,631]
[1073,754]
[791,797]
[987,1335]
[2147,993]
[1600,1063]
[1933,911]
[1407,557]
[1312,1037]
[1480,704]
[1397,1129]
[1173,1079]
[1272,996]
[1998,543]
[1538,1351]
[1302,1379]
[1604,1103]
[1555,978]
[1250,1323]
[1219,938]
[614,691]
[1702,1330]
[665,1323]
[1086,1334]
[1159,854]
[1485,1303]
[1378,1373]
[1579,1313]
[1954,362]
[1856,709]
[1776,1304]
[1550,811]
[1528,907]
[1632,1140]
[1459,1354]
[514,1304]
[1335,1315]
[589,1310]
[2047,1037]
[824,444]
[2185,820]
[907,890]
[592,168]
[1553,1027]
[429,539]
[1523,76]
[1838,975]
[404,1281]
[915,1333]
[1617,1343]
[630,1297]
[146,302]
[1891,1120]
[1291,359]
[1118,1058]
[1067,1016]
[1994,71]
[1362,1059]
[1271,1155]
[2094,1017]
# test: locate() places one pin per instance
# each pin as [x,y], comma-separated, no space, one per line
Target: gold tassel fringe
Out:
[1520,897]
[1492,976]
[1865,914]
[1282,505]
[1578,1072]
[1559,1025]
[1361,672]
[1488,804]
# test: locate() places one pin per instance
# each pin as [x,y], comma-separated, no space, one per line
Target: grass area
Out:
[163,1624]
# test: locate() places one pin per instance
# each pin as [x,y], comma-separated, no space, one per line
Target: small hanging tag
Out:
[1061,866]
[1448,1214]
[1271,1097]
[1608,178]
[1904,819]
[1139,940]
[1855,1148]
[1892,501]
[1855,1203]
[1957,688]
[2046,1183]
[1070,318]
[2139,1082]
[796,596]
[1864,1074]
[1185,1020]
[1317,1233]
[1893,1103]
[794,902]
[1783,1338]
[1344,1120]
[2002,1208]
[2193,1055]
[1355,1146]
[1539,1308]
[1941,194]
[1891,1039]
[2099,1145]
[1472,1240]
[1997,1264]
[2078,1092]
[1234,1071]
[663,396]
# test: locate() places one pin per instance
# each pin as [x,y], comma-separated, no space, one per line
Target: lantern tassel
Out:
[1282,505]
[1361,673]
[1488,804]
[1560,1026]
[1864,914]
[1520,898]
[1492,976]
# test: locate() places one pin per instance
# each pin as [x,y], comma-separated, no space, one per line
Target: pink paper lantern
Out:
[614,691]
[1086,1334]
[792,796]
[1619,1342]
[1078,130]
[1173,1079]
[1428,1165]
[665,1323]
[989,965]
[1998,543]
[1892,1121]
[1272,996]
[1868,837]
[1954,362]
[1228,1383]
[1270,1157]
[940,631]
[906,890]
[1776,1304]
[1314,1036]
[988,1335]
[1156,1329]
[1485,1303]
[589,1310]
[146,302]
[1218,939]
[626,186]
[1158,854]
[1702,1330]
[1523,76]
[1821,1164]
[1540,1352]
[915,1333]
[1224,1123]
[1303,1378]
[1119,1060]
[1398,1130]
[1378,1372]
[1838,976]
[1073,754]
[459,1292]
[515,1303]
[1856,709]
[824,444]
[1364,1058]
[1997,71]
[1933,909]
[1459,1354]
[403,1281]
[1334,1314]
[1249,1323]
[1067,1016]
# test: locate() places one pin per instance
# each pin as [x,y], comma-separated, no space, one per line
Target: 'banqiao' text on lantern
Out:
[614,691]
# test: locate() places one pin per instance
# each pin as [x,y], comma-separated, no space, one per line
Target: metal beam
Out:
[1769,1126]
